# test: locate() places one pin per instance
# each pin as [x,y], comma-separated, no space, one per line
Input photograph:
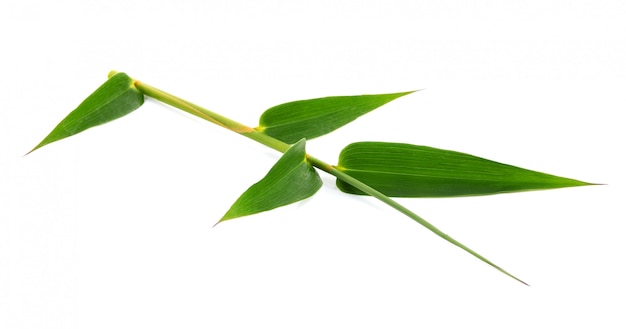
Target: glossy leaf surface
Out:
[290,180]
[312,118]
[113,99]
[405,170]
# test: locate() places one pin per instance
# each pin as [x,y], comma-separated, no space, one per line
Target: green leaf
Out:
[392,203]
[311,118]
[405,170]
[113,99]
[290,180]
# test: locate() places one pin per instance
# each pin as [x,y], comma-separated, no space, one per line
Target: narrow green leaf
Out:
[290,180]
[113,99]
[366,189]
[405,170]
[312,118]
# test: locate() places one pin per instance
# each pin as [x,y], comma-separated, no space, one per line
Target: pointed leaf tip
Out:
[312,118]
[115,98]
[290,180]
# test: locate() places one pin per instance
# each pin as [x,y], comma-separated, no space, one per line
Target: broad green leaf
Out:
[113,99]
[290,180]
[405,170]
[312,118]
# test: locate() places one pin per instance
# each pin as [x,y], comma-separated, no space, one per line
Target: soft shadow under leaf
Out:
[113,99]
[290,180]
[405,170]
[312,118]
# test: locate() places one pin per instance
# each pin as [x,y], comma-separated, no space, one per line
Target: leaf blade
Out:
[406,170]
[290,180]
[369,190]
[312,118]
[115,98]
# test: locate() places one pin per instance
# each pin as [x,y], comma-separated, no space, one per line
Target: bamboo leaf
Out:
[290,180]
[113,99]
[312,118]
[357,184]
[405,170]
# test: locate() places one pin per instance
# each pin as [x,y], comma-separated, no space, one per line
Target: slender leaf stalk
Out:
[283,147]
[210,116]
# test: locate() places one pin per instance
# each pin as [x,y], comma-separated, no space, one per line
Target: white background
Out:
[113,228]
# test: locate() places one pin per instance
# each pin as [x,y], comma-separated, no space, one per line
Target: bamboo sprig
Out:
[376,169]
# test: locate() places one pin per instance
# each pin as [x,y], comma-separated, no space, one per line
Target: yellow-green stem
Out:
[282,147]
